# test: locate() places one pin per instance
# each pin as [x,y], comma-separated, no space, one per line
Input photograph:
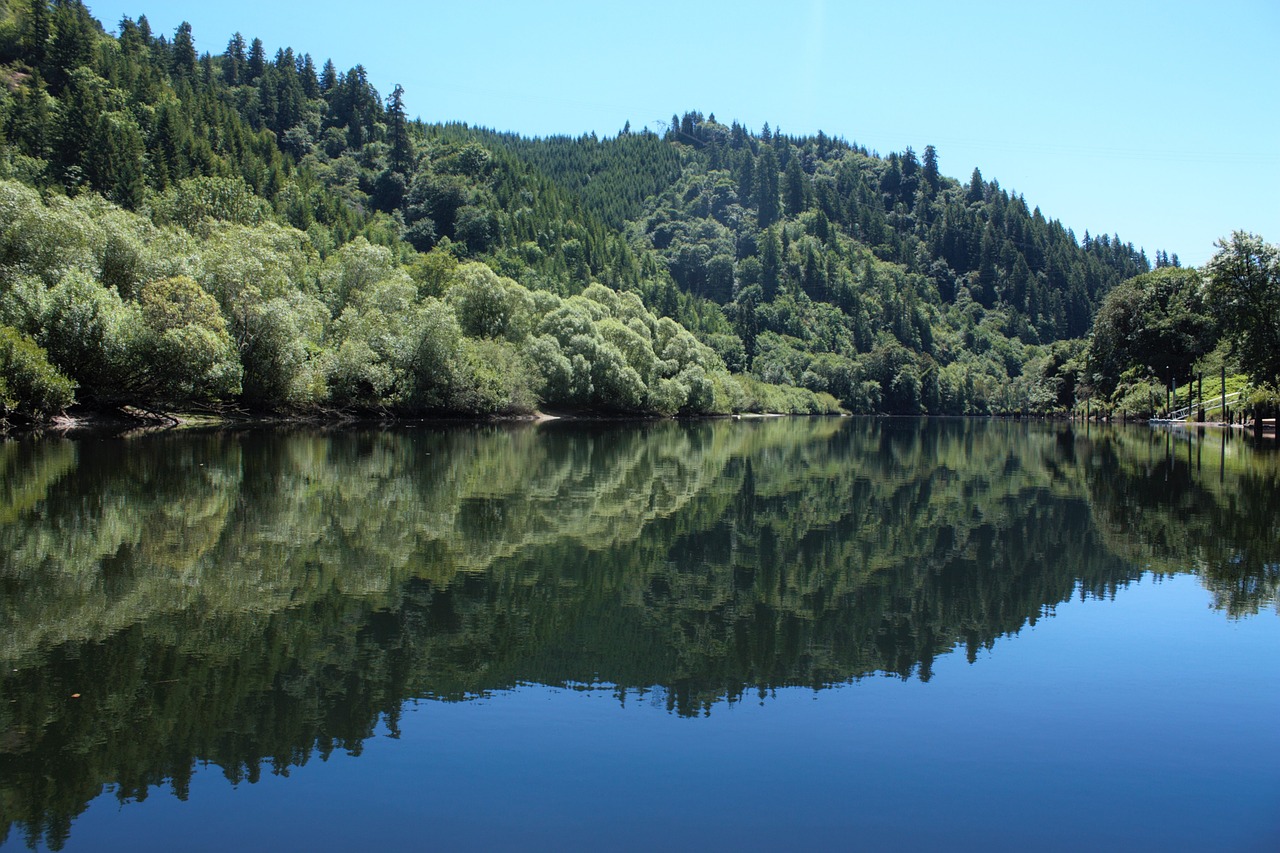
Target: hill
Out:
[288,239]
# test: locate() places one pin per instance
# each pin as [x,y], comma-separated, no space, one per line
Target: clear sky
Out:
[1157,121]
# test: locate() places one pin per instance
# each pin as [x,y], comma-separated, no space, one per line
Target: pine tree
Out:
[233,61]
[976,191]
[910,176]
[71,46]
[766,193]
[932,179]
[400,156]
[307,77]
[747,179]
[257,61]
[770,264]
[328,77]
[184,52]
[795,187]
[36,33]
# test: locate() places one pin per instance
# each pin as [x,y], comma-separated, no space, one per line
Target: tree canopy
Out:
[1244,287]
[805,262]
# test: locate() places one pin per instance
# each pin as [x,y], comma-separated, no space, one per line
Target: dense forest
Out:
[236,230]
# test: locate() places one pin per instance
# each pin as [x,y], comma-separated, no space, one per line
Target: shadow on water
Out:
[257,598]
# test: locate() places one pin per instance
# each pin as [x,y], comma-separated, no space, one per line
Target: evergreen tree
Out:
[932,179]
[307,77]
[400,156]
[36,34]
[328,77]
[977,189]
[795,187]
[771,252]
[184,52]
[910,176]
[72,44]
[747,179]
[234,61]
[257,61]
[766,193]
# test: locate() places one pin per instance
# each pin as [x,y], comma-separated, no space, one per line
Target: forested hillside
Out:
[226,226]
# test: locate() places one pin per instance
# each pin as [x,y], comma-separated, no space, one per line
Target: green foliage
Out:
[196,200]
[437,372]
[282,352]
[184,350]
[29,384]
[92,335]
[374,342]
[1158,322]
[804,260]
[488,306]
[494,379]
[1244,292]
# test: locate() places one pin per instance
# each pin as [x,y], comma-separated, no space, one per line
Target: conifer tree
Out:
[257,61]
[770,264]
[184,52]
[36,33]
[766,193]
[795,187]
[234,61]
[307,77]
[328,77]
[400,156]
[976,193]
[930,170]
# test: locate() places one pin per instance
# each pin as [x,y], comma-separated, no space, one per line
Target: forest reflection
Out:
[253,598]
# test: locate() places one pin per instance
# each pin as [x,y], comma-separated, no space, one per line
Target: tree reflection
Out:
[1204,502]
[258,598]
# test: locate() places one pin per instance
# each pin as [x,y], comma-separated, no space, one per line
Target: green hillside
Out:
[189,226]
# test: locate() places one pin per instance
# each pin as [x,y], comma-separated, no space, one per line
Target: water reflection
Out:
[1205,501]
[264,597]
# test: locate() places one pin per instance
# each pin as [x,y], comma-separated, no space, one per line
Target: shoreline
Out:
[128,420]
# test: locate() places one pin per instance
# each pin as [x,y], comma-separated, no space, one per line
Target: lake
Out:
[758,634]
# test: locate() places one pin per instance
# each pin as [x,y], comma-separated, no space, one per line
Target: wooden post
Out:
[1225,415]
[1200,397]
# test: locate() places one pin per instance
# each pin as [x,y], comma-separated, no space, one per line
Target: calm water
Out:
[849,634]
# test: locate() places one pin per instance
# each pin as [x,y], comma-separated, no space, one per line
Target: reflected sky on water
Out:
[930,633]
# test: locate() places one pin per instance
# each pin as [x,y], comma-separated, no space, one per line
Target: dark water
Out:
[766,634]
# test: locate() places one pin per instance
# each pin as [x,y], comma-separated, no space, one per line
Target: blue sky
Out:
[1157,121]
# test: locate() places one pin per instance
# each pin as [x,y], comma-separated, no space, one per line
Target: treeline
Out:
[876,279]
[1211,331]
[806,263]
[255,260]
[134,313]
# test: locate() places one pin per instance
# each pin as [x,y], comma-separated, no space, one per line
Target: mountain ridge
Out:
[795,262]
